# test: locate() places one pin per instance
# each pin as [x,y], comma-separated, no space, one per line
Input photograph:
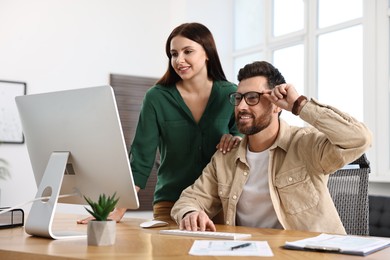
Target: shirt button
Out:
[290,179]
[220,193]
[227,222]
[234,197]
[245,173]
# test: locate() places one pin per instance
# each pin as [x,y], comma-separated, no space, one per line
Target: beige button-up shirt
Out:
[299,163]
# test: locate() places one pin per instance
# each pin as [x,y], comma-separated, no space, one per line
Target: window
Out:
[292,70]
[333,50]
[340,69]
[288,16]
[333,12]
[247,27]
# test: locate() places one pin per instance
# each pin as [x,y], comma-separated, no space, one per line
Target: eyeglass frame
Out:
[244,95]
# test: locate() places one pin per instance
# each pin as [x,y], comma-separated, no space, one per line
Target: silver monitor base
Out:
[40,219]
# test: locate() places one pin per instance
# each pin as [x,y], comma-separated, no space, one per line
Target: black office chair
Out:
[349,190]
[379,215]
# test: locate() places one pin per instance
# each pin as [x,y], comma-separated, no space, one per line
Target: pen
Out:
[240,246]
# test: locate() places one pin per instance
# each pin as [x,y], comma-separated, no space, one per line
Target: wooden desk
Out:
[133,242]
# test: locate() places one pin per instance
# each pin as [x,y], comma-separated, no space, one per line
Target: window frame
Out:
[377,75]
[376,72]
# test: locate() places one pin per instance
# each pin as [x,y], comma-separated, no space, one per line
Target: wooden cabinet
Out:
[129,93]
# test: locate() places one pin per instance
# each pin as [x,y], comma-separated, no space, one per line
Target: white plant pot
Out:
[101,233]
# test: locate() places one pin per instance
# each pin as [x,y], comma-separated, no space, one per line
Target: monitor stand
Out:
[40,218]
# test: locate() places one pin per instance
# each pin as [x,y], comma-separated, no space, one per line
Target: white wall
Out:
[64,44]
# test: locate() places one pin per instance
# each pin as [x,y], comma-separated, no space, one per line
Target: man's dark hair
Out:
[262,68]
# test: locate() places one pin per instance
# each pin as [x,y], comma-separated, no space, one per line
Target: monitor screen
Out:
[76,145]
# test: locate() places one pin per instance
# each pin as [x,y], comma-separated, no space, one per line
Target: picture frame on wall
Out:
[10,125]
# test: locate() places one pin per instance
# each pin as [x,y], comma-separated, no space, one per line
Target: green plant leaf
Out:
[101,209]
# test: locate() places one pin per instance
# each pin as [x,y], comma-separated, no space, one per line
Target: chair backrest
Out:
[349,190]
[379,215]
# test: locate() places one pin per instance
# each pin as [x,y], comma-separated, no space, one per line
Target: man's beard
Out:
[258,125]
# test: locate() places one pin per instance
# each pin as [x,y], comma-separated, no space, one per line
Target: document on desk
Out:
[230,248]
[343,244]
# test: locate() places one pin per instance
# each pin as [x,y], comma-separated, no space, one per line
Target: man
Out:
[277,177]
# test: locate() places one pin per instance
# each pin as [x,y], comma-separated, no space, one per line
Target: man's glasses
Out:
[251,98]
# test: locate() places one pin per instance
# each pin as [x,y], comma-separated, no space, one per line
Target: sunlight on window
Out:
[248,29]
[288,16]
[340,70]
[337,11]
[290,62]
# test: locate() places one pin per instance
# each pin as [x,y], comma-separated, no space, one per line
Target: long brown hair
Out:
[201,34]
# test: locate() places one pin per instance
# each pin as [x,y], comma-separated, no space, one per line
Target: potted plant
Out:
[101,231]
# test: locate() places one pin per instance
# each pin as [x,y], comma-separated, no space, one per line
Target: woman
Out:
[186,115]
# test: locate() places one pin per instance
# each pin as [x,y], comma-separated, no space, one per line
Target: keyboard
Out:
[205,234]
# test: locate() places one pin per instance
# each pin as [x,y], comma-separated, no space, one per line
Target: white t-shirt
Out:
[255,209]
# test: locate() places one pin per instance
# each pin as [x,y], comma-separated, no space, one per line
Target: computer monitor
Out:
[76,145]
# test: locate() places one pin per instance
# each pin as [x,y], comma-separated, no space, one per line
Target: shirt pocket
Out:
[296,190]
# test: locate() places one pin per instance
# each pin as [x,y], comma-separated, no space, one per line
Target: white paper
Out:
[223,248]
[344,243]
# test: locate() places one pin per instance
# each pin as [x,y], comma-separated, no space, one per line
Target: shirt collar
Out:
[282,140]
[284,136]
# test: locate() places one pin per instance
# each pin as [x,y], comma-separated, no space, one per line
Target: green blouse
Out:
[166,123]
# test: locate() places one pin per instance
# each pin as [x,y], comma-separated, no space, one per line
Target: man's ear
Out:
[277,109]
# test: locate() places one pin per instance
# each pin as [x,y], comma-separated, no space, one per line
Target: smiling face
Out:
[253,119]
[188,58]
